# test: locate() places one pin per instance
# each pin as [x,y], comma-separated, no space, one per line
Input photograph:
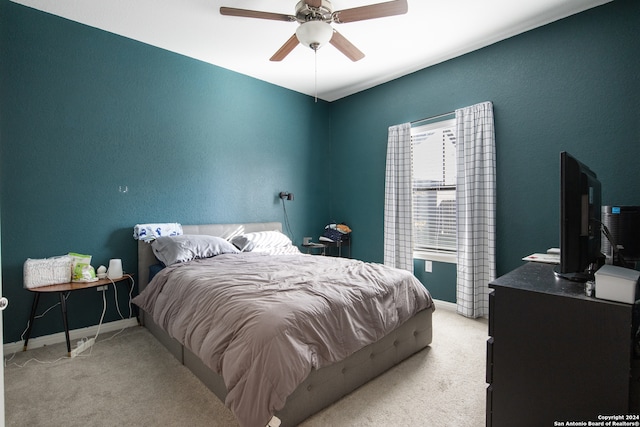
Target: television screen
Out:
[580,220]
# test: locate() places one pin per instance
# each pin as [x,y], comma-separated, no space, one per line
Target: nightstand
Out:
[326,248]
[61,289]
[315,248]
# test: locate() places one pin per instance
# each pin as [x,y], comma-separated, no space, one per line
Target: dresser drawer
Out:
[489,374]
[492,310]
[489,414]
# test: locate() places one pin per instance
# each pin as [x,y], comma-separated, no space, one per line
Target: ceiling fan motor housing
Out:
[305,13]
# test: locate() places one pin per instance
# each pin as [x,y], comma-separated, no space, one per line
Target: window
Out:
[434,190]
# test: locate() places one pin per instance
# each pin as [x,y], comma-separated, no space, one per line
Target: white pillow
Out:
[172,249]
[273,242]
[280,250]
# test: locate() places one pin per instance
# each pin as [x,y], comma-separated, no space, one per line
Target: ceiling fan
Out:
[315,18]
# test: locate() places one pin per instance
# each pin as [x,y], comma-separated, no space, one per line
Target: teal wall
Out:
[571,85]
[83,112]
[441,280]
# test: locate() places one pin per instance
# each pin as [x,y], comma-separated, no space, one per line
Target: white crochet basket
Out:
[47,271]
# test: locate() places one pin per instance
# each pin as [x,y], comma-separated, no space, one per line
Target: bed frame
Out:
[323,386]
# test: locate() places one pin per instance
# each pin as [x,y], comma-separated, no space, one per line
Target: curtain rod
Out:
[432,118]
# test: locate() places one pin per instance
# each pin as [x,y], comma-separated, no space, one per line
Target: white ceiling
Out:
[431,32]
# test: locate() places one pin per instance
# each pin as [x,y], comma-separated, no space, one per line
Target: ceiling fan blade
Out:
[346,47]
[372,11]
[244,13]
[313,3]
[286,49]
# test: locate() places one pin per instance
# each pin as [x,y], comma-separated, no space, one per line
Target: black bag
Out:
[334,235]
[332,232]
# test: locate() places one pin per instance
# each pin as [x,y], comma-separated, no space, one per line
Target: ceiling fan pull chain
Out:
[315,59]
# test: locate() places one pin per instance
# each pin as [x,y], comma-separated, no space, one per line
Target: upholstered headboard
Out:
[146,258]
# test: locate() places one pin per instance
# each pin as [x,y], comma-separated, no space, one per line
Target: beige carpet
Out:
[132,380]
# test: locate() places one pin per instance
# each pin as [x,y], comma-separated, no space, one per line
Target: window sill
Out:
[435,256]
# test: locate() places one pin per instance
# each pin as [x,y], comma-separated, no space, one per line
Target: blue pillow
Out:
[155,269]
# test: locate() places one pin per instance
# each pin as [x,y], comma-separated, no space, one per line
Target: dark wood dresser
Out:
[555,355]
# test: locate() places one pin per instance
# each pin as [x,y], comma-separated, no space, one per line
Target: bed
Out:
[320,387]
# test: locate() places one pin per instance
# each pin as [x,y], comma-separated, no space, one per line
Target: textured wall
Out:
[86,114]
[571,85]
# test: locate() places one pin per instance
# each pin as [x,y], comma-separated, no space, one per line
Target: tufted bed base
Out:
[322,387]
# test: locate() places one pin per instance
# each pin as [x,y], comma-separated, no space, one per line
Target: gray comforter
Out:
[263,322]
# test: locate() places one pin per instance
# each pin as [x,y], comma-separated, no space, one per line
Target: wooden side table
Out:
[61,289]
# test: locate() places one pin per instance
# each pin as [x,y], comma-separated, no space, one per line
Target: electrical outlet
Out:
[102,288]
[428,266]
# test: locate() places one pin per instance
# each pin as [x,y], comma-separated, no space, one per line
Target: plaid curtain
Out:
[398,228]
[476,208]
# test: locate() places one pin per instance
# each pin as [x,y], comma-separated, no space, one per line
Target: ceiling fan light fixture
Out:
[314,34]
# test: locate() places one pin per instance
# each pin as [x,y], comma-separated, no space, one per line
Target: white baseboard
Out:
[450,306]
[73,335]
[445,305]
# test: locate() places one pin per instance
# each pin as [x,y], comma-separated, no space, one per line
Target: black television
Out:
[580,220]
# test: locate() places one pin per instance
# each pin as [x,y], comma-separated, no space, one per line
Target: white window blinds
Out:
[434,186]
